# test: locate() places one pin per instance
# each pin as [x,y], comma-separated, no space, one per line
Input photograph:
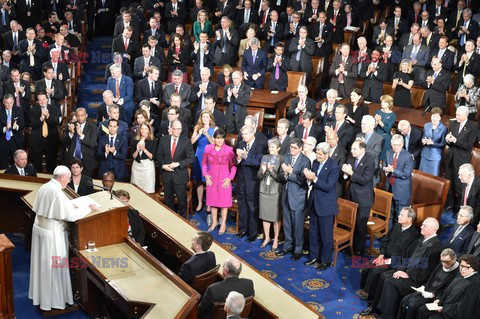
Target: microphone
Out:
[426,109]
[110,190]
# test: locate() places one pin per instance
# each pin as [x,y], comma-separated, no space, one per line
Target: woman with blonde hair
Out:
[225,77]
[245,44]
[202,25]
[384,120]
[139,118]
[143,166]
[202,135]
[402,83]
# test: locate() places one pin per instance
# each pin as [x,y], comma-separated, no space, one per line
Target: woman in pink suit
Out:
[218,167]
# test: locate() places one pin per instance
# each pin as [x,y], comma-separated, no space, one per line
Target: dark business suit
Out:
[7,148]
[302,63]
[143,91]
[473,246]
[341,22]
[345,134]
[459,153]
[102,113]
[459,244]
[294,117]
[294,199]
[184,116]
[314,131]
[349,80]
[212,90]
[277,36]
[251,66]
[373,82]
[85,187]
[111,162]
[40,145]
[339,155]
[175,182]
[322,206]
[361,192]
[139,64]
[230,47]
[196,57]
[36,69]
[280,83]
[87,147]
[61,69]
[402,180]
[415,144]
[126,93]
[172,20]
[218,292]
[248,187]
[58,91]
[470,67]
[236,108]
[473,200]
[472,29]
[126,70]
[448,58]
[184,91]
[290,34]
[159,34]
[8,43]
[196,265]
[285,145]
[436,93]
[324,48]
[136,226]
[29,170]
[29,16]
[118,45]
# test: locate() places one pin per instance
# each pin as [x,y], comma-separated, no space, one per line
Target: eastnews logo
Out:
[96,261]
[396,263]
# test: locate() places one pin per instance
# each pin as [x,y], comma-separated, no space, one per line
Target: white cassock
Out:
[51,287]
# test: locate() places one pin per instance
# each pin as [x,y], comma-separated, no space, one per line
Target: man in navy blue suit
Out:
[322,205]
[360,169]
[462,231]
[254,65]
[398,167]
[249,154]
[294,198]
[202,259]
[112,151]
[122,88]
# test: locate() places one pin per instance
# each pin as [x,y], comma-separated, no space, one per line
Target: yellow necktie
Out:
[44,129]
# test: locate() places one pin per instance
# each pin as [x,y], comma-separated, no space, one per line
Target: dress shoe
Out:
[323,266]
[367,311]
[264,244]
[310,262]
[283,253]
[241,234]
[295,256]
[275,250]
[251,239]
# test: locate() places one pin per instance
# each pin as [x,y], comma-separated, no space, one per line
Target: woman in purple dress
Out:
[218,167]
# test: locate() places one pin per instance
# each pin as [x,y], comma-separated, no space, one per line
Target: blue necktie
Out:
[297,57]
[78,148]
[8,133]
[356,163]
[272,43]
[4,20]
[407,139]
[110,156]
[224,49]
[319,169]
[463,37]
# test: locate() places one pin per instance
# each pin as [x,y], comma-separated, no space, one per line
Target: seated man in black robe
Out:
[441,277]
[202,259]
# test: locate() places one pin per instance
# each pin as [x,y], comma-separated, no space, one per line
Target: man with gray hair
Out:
[234,305]
[49,242]
[236,96]
[219,291]
[470,190]
[437,84]
[373,141]
[177,86]
[460,139]
[122,89]
[462,231]
[226,42]
[254,65]
[102,110]
[21,166]
[412,139]
[202,89]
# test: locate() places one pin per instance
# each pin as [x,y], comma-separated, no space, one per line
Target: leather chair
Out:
[379,215]
[294,80]
[476,160]
[344,227]
[201,282]
[429,194]
[417,97]
[259,114]
[219,313]
[388,90]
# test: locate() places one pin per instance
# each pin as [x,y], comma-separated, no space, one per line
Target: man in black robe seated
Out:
[441,277]
[394,244]
[414,271]
[461,296]
[202,259]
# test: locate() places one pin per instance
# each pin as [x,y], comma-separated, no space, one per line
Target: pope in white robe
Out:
[51,287]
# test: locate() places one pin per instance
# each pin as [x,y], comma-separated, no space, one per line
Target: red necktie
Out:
[174,146]
[117,90]
[394,165]
[305,135]
[264,18]
[335,21]
[126,45]
[336,127]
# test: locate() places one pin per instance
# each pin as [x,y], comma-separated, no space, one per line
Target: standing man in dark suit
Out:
[126,21]
[30,52]
[272,32]
[468,30]
[474,244]
[21,166]
[11,130]
[112,151]
[282,130]
[203,88]
[103,109]
[202,56]
[294,198]
[245,17]
[398,24]
[226,43]
[126,45]
[437,84]
[29,12]
[122,87]
[292,29]
[174,154]
[446,56]
[373,140]
[398,167]
[322,33]
[175,13]
[155,31]
[301,51]
[218,116]
[12,38]
[43,140]
[470,190]
[254,65]
[104,17]
[20,90]
[360,169]
[219,291]
[462,231]
[341,127]
[298,106]
[249,154]
[467,63]
[177,86]
[144,62]
[418,53]
[52,87]
[322,206]
[236,96]
[343,72]
[201,261]
[339,156]
[337,18]
[460,139]
[80,139]
[278,65]
[373,77]
[309,128]
[412,140]
[150,89]
[7,14]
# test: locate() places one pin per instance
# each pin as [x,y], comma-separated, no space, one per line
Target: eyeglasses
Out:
[176,128]
[294,147]
[465,267]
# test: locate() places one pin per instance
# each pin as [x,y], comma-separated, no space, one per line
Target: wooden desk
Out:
[169,229]
[272,103]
